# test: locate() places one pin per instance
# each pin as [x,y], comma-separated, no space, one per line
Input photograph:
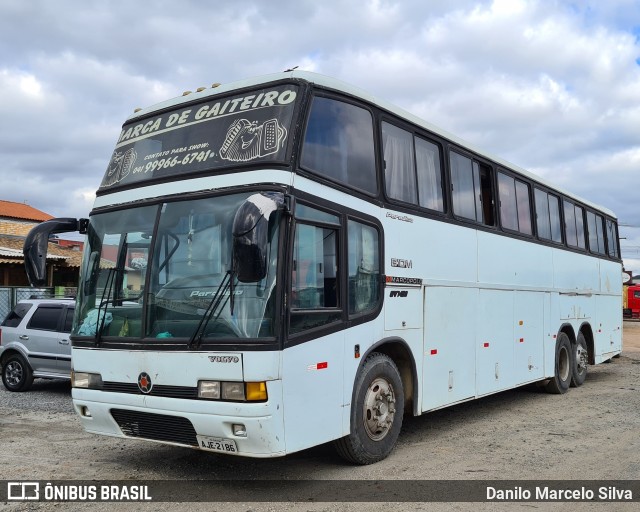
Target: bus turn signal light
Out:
[256,391]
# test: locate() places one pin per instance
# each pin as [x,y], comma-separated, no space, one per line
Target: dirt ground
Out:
[631,336]
[589,433]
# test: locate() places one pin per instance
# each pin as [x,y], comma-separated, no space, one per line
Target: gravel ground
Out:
[589,433]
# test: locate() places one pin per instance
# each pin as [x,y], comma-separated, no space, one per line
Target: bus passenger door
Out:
[313,358]
[449,346]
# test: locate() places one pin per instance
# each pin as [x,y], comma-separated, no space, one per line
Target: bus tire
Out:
[579,361]
[16,373]
[559,383]
[376,412]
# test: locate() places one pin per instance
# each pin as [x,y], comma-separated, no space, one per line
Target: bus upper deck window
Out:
[471,189]
[338,144]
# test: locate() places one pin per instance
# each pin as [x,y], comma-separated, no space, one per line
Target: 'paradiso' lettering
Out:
[209,111]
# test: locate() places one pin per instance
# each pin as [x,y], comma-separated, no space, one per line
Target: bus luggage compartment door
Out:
[449,345]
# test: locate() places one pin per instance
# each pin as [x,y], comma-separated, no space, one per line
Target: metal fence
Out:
[11,295]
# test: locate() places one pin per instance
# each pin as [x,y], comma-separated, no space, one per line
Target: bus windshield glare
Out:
[165,273]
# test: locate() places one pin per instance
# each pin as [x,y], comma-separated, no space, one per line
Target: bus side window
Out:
[554,215]
[429,175]
[580,227]
[472,189]
[486,195]
[314,283]
[612,239]
[524,208]
[399,164]
[315,271]
[464,176]
[570,224]
[596,233]
[338,144]
[364,267]
[542,214]
[513,202]
[548,216]
[574,225]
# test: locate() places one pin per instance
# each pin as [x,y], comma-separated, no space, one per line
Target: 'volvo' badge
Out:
[144,382]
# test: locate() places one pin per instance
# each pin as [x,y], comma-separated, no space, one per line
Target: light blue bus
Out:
[285,261]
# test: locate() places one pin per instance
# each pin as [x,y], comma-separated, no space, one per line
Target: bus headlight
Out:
[209,389]
[86,380]
[233,391]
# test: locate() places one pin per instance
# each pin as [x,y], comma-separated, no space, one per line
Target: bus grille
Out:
[159,427]
[157,390]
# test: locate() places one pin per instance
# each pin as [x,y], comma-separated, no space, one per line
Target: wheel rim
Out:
[13,373]
[563,364]
[379,409]
[581,359]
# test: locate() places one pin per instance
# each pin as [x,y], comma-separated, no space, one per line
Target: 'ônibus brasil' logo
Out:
[144,382]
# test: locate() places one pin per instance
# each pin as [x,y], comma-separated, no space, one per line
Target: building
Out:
[63,259]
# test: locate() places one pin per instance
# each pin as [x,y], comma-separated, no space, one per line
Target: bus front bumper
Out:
[246,429]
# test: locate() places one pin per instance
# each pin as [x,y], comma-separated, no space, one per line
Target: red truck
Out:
[631,306]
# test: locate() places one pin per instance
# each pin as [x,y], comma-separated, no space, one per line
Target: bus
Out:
[287,261]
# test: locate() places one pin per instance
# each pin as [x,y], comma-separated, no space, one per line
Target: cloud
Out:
[551,86]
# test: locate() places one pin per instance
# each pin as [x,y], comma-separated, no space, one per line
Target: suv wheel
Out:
[16,373]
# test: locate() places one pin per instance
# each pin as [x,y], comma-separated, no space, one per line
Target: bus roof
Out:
[340,86]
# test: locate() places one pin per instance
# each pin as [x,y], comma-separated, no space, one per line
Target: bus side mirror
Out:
[35,247]
[251,235]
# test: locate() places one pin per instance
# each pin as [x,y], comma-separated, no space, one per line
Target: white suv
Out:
[34,342]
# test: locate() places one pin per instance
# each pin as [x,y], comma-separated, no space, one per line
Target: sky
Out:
[550,85]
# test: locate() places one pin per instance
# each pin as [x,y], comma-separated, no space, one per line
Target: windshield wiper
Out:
[116,274]
[104,300]
[217,303]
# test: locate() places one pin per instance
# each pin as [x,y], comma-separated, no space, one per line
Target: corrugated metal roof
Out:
[14,253]
[11,252]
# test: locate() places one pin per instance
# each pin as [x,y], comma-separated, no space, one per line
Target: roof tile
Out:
[22,211]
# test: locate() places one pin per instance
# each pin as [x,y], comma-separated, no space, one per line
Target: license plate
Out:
[217,444]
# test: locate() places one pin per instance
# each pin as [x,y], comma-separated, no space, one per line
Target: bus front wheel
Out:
[561,379]
[376,412]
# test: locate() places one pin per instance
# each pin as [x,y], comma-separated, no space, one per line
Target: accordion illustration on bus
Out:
[119,167]
[246,140]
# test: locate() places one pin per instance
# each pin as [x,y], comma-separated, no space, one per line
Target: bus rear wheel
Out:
[561,379]
[376,412]
[579,361]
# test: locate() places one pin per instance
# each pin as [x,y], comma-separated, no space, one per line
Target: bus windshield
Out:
[164,273]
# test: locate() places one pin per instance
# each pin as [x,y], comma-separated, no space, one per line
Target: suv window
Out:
[68,321]
[15,317]
[46,318]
